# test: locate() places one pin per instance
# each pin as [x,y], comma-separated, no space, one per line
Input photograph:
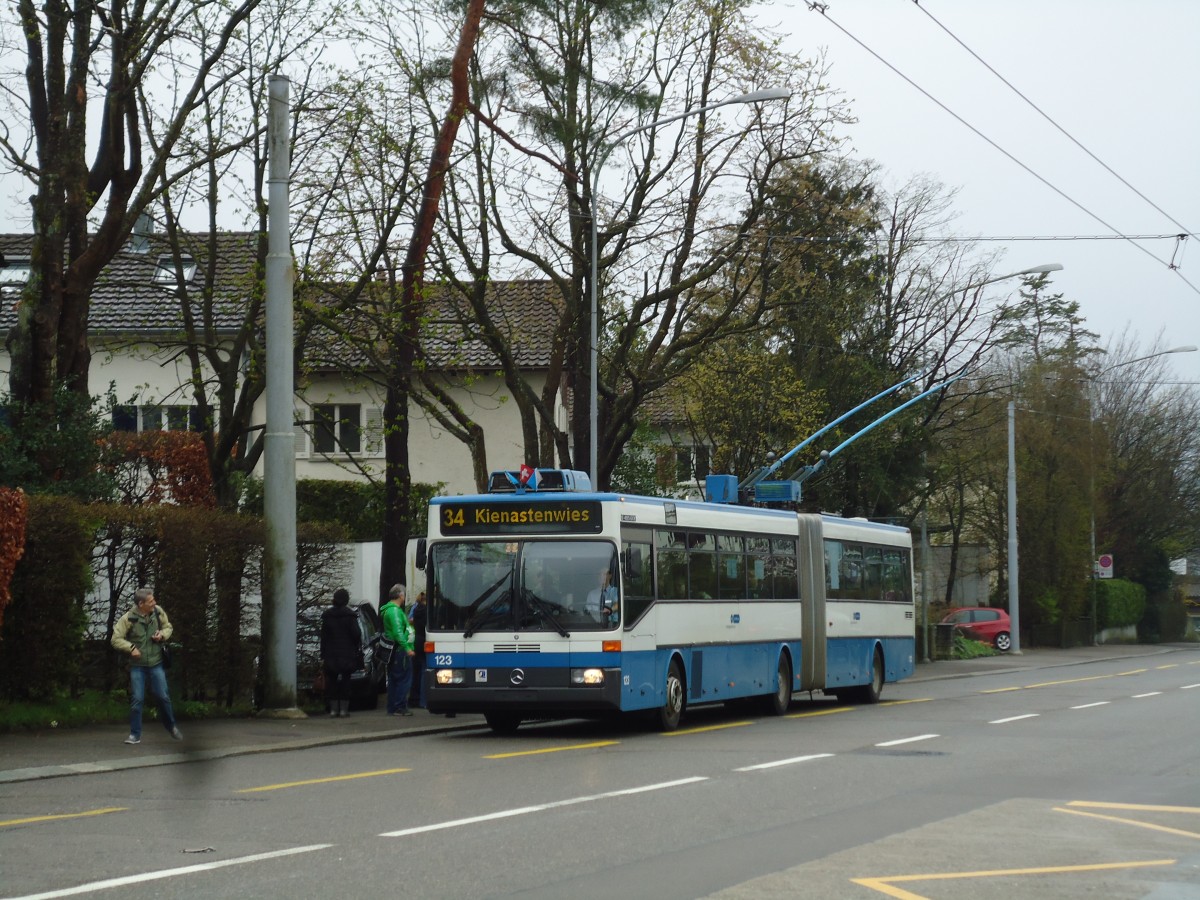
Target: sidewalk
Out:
[53,752]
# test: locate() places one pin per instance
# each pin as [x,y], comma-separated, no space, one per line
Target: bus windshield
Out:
[529,585]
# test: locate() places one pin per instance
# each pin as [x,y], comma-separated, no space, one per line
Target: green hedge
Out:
[202,565]
[1119,603]
[42,638]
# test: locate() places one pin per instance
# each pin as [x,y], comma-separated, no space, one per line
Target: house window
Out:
[157,418]
[164,271]
[125,418]
[337,428]
[683,465]
[13,275]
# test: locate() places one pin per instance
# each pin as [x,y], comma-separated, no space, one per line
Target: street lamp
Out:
[1187,348]
[605,150]
[1045,269]
[1014,604]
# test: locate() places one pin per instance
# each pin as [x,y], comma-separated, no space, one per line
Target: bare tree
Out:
[111,172]
[677,254]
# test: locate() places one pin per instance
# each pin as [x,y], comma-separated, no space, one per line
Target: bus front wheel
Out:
[671,711]
[502,722]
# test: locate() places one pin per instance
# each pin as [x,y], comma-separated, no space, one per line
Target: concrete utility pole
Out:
[279,456]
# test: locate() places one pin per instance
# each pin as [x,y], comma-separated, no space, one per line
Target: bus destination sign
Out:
[555,517]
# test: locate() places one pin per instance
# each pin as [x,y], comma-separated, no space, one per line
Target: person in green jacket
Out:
[141,633]
[398,642]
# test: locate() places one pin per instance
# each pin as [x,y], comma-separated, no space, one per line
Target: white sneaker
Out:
[177,734]
[133,740]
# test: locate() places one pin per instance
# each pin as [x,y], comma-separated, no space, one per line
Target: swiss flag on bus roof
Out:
[526,474]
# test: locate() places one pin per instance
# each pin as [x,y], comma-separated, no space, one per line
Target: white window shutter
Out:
[373,432]
[303,447]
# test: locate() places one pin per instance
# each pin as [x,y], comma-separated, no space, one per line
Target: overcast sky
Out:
[1121,78]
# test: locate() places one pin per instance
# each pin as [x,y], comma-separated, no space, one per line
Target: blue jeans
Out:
[399,679]
[138,675]
[416,694]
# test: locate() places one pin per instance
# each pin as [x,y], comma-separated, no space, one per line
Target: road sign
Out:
[1104,566]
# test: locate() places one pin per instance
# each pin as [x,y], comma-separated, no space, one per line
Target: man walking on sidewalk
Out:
[141,633]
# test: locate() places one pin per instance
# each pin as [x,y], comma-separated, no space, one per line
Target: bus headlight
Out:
[450,676]
[587,676]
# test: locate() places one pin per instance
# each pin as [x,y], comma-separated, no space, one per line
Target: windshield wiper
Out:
[543,607]
[485,612]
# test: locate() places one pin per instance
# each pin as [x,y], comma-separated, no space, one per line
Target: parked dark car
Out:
[366,683]
[982,623]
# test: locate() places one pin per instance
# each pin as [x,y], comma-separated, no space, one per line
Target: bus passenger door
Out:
[638,613]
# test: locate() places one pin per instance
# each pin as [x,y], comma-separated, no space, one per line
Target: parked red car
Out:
[982,623]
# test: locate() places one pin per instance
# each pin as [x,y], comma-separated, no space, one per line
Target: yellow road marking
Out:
[552,750]
[1139,807]
[332,778]
[1134,672]
[1075,680]
[1001,690]
[705,728]
[886,885]
[902,702]
[820,712]
[81,815]
[1171,666]
[1148,825]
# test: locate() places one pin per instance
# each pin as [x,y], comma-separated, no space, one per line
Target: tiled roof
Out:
[128,302]
[525,312]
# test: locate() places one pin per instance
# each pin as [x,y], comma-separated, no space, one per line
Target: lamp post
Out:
[605,150]
[1014,602]
[1188,348]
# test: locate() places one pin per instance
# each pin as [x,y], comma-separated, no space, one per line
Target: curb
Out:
[62,770]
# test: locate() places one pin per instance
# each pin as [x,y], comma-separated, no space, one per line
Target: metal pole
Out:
[279,454]
[925,581]
[1014,602]
[1092,502]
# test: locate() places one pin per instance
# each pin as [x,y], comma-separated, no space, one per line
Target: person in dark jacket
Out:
[341,651]
[419,618]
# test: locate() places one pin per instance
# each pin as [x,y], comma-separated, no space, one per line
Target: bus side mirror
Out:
[421,554]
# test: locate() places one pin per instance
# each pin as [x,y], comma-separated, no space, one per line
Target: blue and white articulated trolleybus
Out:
[559,601]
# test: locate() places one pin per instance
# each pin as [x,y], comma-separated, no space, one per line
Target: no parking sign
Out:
[1104,566]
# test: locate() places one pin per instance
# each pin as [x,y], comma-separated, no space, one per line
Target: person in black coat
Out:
[341,651]
[419,616]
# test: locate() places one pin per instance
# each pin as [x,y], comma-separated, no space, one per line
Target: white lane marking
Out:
[1090,705]
[170,873]
[1013,719]
[919,737]
[1188,687]
[1151,694]
[541,807]
[783,762]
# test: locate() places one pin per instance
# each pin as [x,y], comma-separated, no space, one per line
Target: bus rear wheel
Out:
[869,693]
[671,711]
[502,722]
[782,698]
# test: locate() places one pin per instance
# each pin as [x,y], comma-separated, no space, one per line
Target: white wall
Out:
[149,376]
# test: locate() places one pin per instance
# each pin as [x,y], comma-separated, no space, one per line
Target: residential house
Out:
[136,334]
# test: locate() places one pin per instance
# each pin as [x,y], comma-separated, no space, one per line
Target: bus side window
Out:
[672,574]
